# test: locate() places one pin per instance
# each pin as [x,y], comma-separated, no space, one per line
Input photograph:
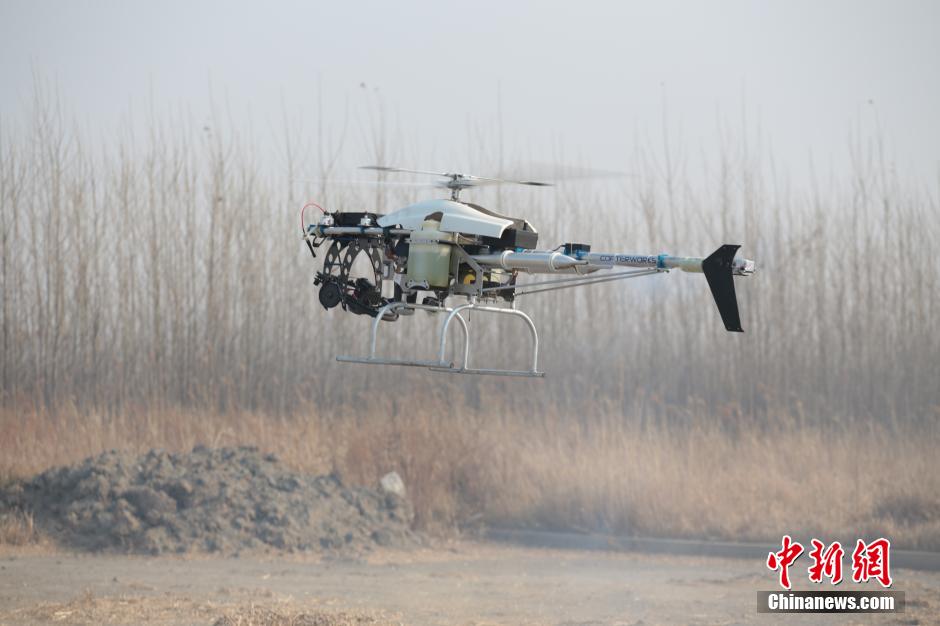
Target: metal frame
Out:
[442,364]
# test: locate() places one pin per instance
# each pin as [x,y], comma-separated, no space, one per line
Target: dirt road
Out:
[470,583]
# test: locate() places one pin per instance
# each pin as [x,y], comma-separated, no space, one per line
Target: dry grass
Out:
[17,528]
[703,482]
[600,473]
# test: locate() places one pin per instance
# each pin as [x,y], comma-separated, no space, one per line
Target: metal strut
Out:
[579,281]
[441,364]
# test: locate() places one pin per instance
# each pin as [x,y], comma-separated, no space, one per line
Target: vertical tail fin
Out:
[717,268]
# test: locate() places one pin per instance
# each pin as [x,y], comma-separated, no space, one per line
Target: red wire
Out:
[303,226]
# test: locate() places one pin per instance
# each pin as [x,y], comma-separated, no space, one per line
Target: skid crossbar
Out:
[441,364]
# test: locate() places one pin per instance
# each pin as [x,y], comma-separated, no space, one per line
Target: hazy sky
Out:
[589,76]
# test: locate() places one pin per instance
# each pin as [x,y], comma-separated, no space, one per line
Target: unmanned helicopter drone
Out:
[424,254]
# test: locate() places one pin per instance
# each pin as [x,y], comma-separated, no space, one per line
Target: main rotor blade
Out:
[465,180]
[500,181]
[561,173]
[383,168]
[390,183]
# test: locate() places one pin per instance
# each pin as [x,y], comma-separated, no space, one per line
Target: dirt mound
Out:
[216,500]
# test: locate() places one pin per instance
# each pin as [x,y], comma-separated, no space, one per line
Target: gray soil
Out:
[464,584]
[210,500]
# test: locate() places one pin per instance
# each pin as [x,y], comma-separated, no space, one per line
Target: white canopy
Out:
[456,217]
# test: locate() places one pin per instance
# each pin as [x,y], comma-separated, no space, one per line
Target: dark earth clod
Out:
[223,500]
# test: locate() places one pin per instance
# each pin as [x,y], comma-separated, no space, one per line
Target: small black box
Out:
[353,219]
[573,249]
[513,238]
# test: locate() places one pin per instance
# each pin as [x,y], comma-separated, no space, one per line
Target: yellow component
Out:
[469,278]
[428,257]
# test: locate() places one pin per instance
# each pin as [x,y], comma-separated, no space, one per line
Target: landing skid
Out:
[442,364]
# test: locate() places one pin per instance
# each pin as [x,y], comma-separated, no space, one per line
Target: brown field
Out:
[608,473]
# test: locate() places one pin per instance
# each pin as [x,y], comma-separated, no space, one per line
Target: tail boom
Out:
[719,268]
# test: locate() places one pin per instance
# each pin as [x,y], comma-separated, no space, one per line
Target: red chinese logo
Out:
[826,562]
[783,559]
[869,560]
